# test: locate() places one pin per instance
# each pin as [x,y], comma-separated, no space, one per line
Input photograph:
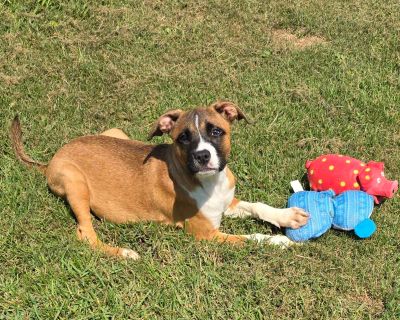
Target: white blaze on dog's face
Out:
[205,158]
[201,136]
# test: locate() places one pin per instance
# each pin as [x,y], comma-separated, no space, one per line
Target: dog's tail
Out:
[16,140]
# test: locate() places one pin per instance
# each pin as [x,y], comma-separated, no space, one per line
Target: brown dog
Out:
[186,183]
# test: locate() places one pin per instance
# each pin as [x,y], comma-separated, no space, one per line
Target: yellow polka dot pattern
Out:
[342,183]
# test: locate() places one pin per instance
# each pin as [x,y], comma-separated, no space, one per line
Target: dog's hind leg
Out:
[278,240]
[201,229]
[115,133]
[70,183]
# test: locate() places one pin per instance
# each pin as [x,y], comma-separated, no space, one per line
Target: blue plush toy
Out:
[348,211]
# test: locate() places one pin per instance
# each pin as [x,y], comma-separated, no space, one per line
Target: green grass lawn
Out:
[315,76]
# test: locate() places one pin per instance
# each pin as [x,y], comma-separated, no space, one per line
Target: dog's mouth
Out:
[203,170]
[207,171]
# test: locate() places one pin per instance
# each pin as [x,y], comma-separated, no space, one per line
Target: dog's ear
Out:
[165,123]
[229,111]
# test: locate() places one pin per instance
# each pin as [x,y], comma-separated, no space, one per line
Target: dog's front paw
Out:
[293,218]
[129,254]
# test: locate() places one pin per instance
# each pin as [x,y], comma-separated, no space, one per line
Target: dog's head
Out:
[201,136]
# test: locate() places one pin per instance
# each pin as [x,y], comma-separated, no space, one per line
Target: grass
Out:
[71,68]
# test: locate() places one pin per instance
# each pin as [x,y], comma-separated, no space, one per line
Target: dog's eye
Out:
[184,138]
[216,132]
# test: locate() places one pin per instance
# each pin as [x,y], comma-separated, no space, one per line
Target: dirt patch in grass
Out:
[9,80]
[111,11]
[286,39]
[374,306]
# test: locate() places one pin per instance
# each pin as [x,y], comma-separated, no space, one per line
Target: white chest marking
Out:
[214,197]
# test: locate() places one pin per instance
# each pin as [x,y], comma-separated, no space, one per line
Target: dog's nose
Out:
[202,157]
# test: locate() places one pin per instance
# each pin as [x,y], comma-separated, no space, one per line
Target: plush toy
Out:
[341,173]
[348,211]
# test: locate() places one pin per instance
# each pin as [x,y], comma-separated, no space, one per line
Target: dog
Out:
[186,183]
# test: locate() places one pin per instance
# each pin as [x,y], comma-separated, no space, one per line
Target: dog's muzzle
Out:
[199,162]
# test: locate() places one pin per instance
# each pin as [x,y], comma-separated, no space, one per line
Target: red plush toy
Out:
[341,173]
